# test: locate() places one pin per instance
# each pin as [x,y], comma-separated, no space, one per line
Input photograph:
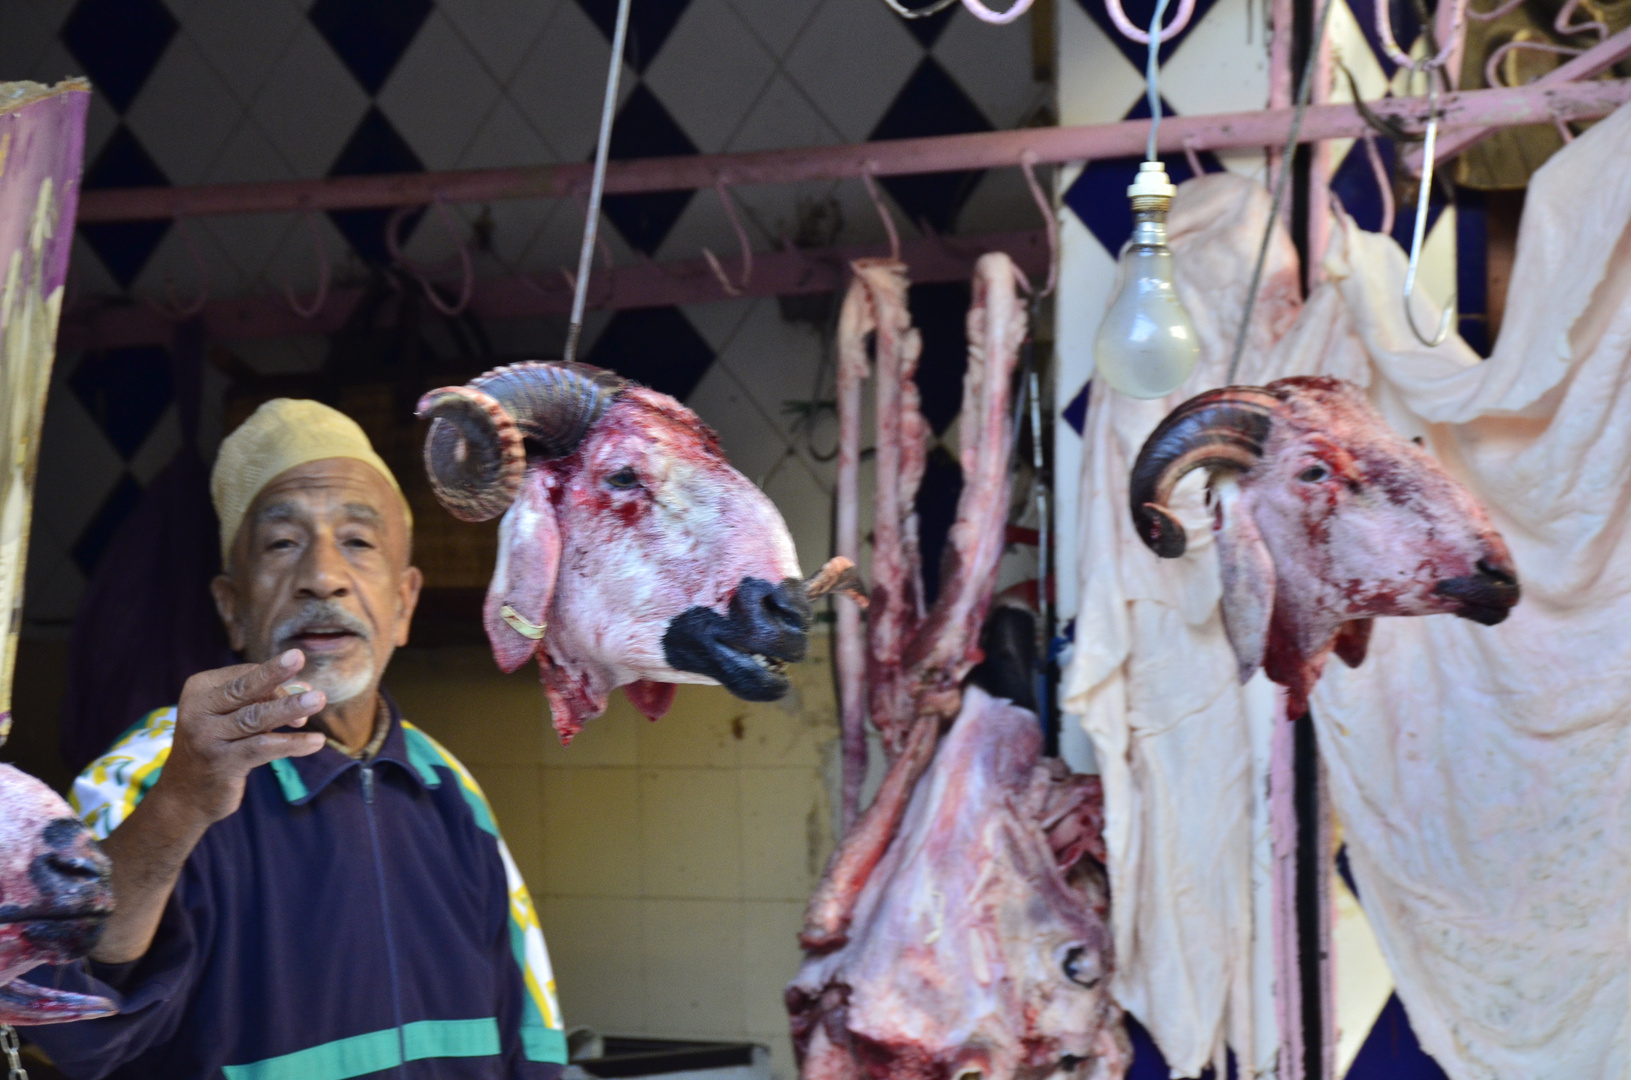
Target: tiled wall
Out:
[670,861]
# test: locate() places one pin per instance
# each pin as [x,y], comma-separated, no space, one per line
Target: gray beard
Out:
[336,687]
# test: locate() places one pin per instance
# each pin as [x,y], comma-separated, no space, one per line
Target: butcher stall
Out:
[1042,540]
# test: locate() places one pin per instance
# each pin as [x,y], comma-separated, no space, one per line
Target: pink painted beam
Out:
[1589,64]
[637,285]
[900,157]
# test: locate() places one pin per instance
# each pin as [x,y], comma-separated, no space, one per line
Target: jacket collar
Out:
[302,778]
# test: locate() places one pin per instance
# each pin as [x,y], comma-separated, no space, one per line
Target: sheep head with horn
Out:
[1324,518]
[630,552]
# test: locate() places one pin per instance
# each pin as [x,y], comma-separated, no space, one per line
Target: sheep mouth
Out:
[1486,598]
[700,641]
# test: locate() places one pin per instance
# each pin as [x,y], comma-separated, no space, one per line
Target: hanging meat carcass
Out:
[630,554]
[960,926]
[55,893]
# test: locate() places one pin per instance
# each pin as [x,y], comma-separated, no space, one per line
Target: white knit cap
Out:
[280,435]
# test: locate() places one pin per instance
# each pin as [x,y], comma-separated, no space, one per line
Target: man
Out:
[309,888]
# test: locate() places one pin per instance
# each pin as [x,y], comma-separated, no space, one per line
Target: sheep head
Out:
[1324,518]
[630,552]
[55,893]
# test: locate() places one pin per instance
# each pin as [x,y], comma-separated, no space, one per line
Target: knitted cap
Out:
[281,434]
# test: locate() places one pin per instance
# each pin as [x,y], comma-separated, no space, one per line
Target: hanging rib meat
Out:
[959,927]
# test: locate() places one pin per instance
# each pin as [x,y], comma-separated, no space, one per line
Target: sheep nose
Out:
[74,869]
[773,613]
[1498,570]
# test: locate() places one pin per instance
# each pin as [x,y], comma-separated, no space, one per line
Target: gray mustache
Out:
[321,615]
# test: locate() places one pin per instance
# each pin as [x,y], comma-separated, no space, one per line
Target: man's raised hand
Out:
[226,725]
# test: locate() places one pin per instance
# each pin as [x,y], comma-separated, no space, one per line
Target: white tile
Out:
[807,508]
[78,465]
[709,73]
[188,263]
[295,260]
[775,360]
[511,225]
[852,59]
[1214,70]
[309,104]
[184,113]
[703,223]
[51,65]
[718,322]
[1096,83]
[53,584]
[993,66]
[499,31]
[242,41]
[1350,48]
[248,240]
[438,95]
[1001,202]
[777,23]
[558,89]
[284,356]
[159,448]
[248,155]
[100,122]
[87,275]
[782,116]
[52,13]
[751,443]
[23,37]
[504,139]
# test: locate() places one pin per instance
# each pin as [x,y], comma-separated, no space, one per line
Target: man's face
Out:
[320,564]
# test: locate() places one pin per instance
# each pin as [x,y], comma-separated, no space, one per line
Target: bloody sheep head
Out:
[55,893]
[1324,518]
[630,553]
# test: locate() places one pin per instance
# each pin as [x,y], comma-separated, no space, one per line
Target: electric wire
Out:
[1152,76]
[586,254]
[1304,91]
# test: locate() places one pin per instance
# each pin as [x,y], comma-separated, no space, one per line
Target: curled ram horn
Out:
[1220,429]
[480,433]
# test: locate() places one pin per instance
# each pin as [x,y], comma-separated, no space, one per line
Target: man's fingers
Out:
[257,750]
[249,684]
[264,716]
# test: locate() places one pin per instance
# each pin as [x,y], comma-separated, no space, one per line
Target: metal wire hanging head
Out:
[1419,231]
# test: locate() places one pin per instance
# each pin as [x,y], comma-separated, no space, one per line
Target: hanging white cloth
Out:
[1481,775]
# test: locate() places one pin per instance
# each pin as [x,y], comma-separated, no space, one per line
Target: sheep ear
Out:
[1248,577]
[1353,639]
[523,587]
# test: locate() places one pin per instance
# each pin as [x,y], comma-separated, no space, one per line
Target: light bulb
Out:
[1146,346]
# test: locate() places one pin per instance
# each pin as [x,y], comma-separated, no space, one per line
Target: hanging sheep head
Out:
[1324,518]
[56,891]
[630,552]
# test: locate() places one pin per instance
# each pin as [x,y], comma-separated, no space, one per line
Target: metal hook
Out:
[1186,9]
[1420,227]
[1384,184]
[883,211]
[1027,162]
[175,310]
[741,240]
[321,298]
[422,274]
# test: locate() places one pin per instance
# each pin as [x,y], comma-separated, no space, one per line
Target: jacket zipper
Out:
[385,914]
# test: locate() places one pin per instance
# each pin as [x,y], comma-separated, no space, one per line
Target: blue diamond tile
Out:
[940,312]
[87,550]
[1075,413]
[124,246]
[645,129]
[369,36]
[1471,269]
[126,392]
[931,103]
[650,23]
[1099,195]
[1139,13]
[655,346]
[374,147]
[936,510]
[1391,1052]
[1354,182]
[118,42]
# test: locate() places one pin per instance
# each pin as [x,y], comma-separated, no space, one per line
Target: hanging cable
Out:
[586,254]
[1152,76]
[1305,89]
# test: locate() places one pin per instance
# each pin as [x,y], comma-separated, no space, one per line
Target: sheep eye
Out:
[624,479]
[1313,474]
